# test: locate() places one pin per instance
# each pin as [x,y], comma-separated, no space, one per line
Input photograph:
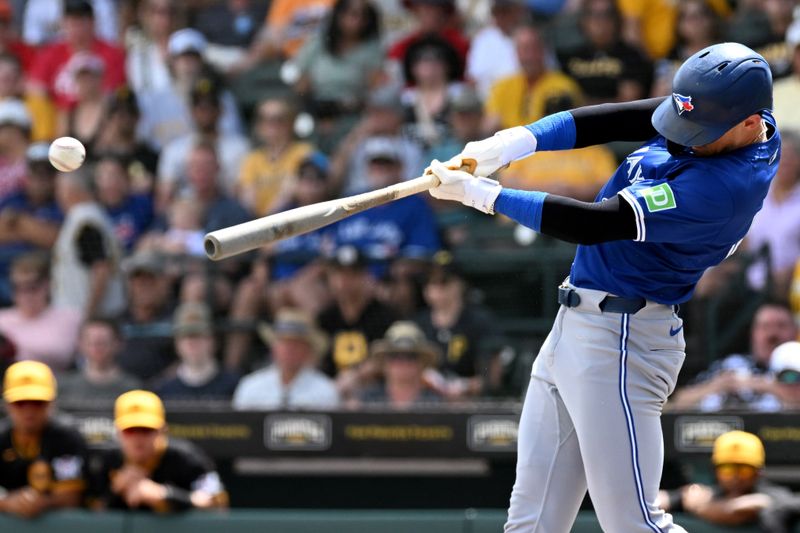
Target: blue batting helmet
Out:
[712,91]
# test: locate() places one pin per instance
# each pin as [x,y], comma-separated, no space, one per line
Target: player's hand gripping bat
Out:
[227,242]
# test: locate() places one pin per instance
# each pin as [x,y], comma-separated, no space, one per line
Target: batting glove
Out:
[460,186]
[500,149]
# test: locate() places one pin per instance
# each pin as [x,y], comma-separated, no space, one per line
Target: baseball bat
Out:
[233,240]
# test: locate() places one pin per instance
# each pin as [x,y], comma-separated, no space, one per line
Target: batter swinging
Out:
[678,205]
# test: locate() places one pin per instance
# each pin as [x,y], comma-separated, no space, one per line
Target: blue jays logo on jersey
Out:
[682,103]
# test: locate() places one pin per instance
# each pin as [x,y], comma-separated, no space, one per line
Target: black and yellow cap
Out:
[29,380]
[139,409]
[738,447]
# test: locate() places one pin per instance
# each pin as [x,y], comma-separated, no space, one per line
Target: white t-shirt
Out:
[263,390]
[491,56]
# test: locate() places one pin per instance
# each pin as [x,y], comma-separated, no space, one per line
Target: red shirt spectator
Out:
[52,70]
[9,43]
[433,17]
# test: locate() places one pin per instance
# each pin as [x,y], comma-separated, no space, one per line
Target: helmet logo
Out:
[683,103]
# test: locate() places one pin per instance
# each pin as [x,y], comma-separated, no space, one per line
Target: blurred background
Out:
[378,363]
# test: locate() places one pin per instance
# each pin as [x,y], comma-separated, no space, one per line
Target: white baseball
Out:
[66,154]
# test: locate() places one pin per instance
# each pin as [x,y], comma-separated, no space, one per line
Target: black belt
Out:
[610,304]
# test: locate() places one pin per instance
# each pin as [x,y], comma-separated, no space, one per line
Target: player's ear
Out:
[753,121]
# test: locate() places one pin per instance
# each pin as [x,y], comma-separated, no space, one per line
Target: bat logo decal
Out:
[683,103]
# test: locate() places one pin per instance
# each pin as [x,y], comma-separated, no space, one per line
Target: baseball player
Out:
[677,205]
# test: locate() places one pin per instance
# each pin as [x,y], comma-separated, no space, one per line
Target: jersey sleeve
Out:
[693,208]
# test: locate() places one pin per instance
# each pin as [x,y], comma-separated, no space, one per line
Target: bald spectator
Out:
[52,70]
[291,381]
[86,270]
[741,381]
[40,331]
[534,91]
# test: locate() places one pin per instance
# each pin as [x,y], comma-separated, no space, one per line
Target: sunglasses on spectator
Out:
[789,377]
[38,404]
[28,286]
[730,471]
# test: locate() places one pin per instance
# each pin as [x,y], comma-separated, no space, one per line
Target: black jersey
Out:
[53,463]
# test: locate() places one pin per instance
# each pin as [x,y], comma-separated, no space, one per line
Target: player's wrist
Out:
[518,142]
[481,193]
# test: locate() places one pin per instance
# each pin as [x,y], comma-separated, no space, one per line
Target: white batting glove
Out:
[500,149]
[460,186]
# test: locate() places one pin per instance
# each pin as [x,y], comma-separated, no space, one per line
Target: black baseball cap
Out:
[348,256]
[78,8]
[205,90]
[444,268]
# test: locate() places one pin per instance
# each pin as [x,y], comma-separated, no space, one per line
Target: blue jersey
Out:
[691,213]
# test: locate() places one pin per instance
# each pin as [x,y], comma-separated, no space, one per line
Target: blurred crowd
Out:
[202,114]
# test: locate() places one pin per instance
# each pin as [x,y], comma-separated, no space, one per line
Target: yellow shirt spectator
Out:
[652,23]
[515,102]
[262,178]
[576,173]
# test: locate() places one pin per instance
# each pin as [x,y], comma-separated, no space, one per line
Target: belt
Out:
[569,297]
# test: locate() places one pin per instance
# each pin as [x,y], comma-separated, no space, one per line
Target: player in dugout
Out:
[41,460]
[148,470]
[741,495]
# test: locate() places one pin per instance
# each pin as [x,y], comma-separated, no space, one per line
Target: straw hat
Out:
[294,324]
[406,337]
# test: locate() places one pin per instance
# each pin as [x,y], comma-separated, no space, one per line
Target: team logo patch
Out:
[659,198]
[682,103]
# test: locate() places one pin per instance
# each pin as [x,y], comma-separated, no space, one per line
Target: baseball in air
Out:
[66,154]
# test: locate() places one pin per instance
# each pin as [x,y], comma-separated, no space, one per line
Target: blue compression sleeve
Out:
[523,206]
[554,132]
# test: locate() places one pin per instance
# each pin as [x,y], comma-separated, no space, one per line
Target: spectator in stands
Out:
[764,30]
[130,213]
[15,136]
[404,228]
[463,331]
[198,375]
[205,97]
[40,25]
[99,377]
[606,68]
[698,26]
[287,27]
[534,91]
[291,381]
[339,65]
[232,24]
[184,233]
[29,219]
[289,273]
[52,71]
[430,69]
[491,54]
[147,352]
[203,175]
[40,331]
[383,117]
[576,173]
[149,471]
[464,121]
[85,270]
[354,320]
[649,25]
[403,355]
[741,381]
[147,61]
[84,118]
[786,91]
[741,495]
[10,43]
[117,135]
[432,17]
[268,170]
[777,225]
[166,113]
[784,364]
[12,87]
[42,463]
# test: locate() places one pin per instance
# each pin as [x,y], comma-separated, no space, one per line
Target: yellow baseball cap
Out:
[738,447]
[138,409]
[29,380]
